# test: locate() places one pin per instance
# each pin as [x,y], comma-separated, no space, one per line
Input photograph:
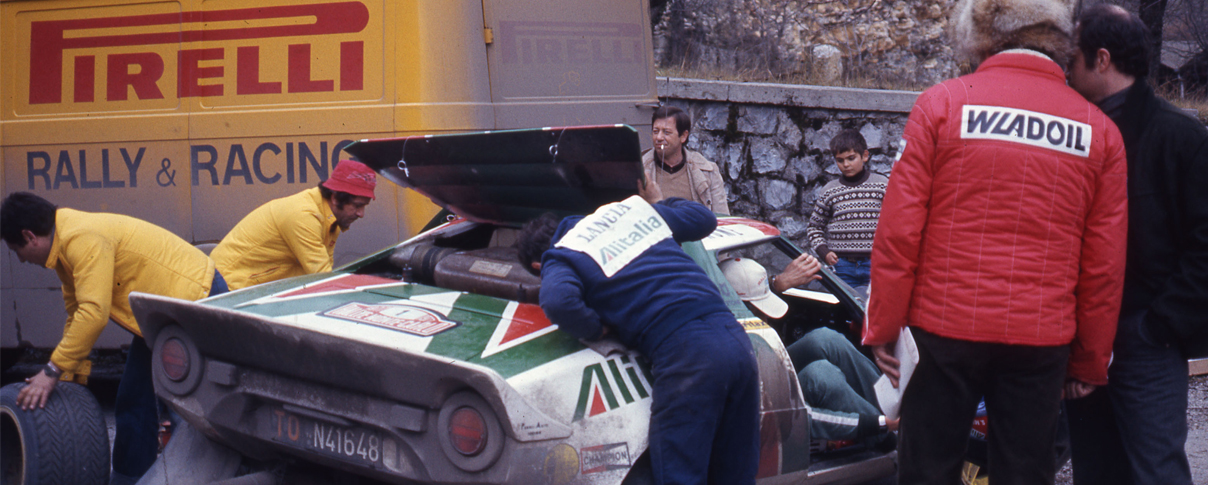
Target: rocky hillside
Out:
[867,43]
[903,41]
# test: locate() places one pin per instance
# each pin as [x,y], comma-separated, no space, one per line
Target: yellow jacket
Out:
[285,237]
[101,258]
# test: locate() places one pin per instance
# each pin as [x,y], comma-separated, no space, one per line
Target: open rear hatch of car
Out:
[510,177]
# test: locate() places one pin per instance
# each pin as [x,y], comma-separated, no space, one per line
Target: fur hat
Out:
[982,28]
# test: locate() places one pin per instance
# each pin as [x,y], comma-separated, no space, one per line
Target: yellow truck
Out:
[191,113]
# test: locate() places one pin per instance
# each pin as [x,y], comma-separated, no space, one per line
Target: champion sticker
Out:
[1026,127]
[404,318]
[604,458]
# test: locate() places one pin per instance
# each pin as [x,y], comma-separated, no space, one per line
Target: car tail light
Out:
[177,364]
[175,359]
[468,431]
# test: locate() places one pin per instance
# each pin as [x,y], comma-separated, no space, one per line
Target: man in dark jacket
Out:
[1135,429]
[621,270]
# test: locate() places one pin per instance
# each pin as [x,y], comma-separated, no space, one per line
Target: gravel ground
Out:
[1197,424]
[1197,434]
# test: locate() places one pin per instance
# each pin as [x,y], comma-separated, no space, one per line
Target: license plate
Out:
[347,443]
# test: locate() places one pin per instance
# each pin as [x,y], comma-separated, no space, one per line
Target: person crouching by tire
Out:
[621,271]
[100,259]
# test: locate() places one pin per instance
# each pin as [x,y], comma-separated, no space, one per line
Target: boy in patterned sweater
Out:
[845,215]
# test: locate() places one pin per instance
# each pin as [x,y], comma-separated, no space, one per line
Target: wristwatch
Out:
[52,371]
[884,427]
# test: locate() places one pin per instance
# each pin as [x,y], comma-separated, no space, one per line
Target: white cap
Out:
[750,280]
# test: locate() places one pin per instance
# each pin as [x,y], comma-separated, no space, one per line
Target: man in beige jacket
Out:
[675,171]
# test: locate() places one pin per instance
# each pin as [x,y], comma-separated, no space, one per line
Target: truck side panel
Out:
[191,113]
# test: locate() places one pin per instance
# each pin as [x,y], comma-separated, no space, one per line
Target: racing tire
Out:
[65,443]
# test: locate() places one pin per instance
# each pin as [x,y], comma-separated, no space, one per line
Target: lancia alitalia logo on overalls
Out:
[404,318]
[616,233]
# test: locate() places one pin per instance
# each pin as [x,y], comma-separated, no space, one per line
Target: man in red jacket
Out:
[1003,247]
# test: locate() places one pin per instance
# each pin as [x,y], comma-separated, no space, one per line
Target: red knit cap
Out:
[352,177]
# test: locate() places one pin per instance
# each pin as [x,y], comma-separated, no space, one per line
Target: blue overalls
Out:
[704,425]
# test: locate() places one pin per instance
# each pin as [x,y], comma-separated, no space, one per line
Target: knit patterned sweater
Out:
[845,215]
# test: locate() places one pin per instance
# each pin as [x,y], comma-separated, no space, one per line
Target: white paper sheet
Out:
[908,355]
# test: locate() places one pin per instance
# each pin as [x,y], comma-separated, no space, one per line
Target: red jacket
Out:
[1005,219]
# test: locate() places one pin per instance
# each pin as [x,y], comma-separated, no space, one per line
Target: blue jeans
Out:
[704,420]
[1137,432]
[837,382]
[833,374]
[855,274]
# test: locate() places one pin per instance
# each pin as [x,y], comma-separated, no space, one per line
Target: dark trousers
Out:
[136,410]
[1022,389]
[136,416]
[704,423]
[219,285]
[1134,430]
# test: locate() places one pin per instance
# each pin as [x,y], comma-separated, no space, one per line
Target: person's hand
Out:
[832,258]
[887,362]
[1076,389]
[799,272]
[650,190]
[892,424]
[38,390]
[603,345]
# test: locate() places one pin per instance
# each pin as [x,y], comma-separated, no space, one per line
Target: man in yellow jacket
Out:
[295,235]
[100,259]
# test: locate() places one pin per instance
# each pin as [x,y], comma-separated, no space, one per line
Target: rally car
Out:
[431,362]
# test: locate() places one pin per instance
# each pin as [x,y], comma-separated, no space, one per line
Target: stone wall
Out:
[771,141]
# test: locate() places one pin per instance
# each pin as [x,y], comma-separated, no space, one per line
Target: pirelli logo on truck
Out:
[242,56]
[1026,127]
